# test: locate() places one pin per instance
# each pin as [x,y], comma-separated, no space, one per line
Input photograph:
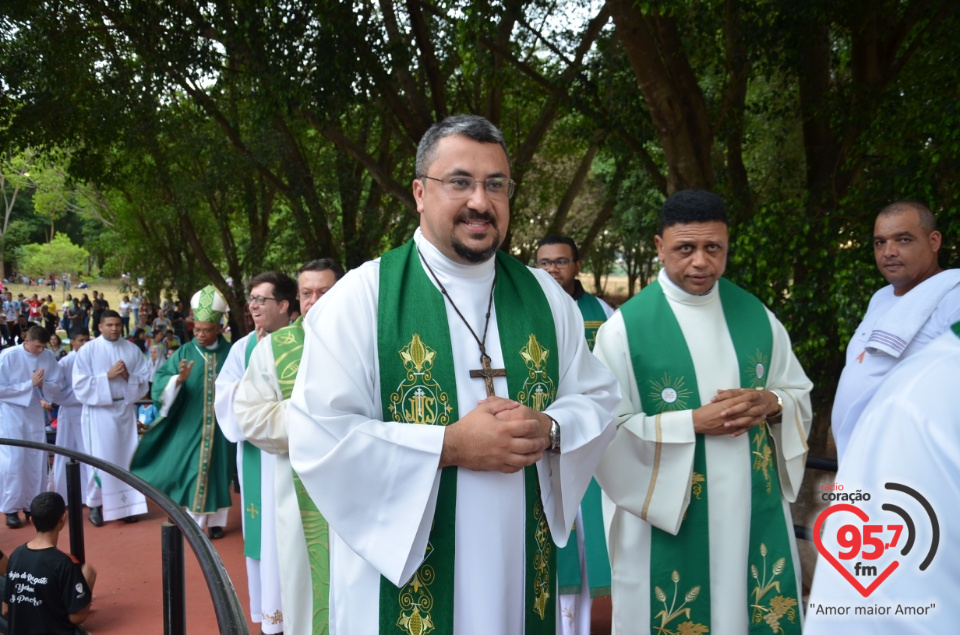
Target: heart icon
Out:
[862,515]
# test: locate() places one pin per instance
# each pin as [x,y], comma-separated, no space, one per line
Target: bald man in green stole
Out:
[710,446]
[260,406]
[184,454]
[583,566]
[448,415]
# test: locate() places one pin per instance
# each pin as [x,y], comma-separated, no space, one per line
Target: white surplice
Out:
[909,434]
[109,418]
[865,367]
[23,471]
[261,413]
[646,455]
[263,575]
[576,609]
[70,434]
[376,482]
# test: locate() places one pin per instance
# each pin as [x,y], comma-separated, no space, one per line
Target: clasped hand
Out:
[734,411]
[118,370]
[499,435]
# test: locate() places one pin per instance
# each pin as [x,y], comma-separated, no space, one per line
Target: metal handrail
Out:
[226,603]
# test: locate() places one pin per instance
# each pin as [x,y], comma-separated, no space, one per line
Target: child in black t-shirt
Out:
[47,591]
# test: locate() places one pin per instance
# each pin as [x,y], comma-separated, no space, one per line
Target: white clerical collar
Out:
[674,292]
[446,268]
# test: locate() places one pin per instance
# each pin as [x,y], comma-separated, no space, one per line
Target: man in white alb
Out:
[710,445]
[273,297]
[109,377]
[921,302]
[448,415]
[69,422]
[261,409]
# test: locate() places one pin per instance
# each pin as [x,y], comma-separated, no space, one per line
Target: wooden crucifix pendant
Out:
[487,373]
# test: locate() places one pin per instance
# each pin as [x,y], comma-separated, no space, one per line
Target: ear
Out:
[658,241]
[418,192]
[936,239]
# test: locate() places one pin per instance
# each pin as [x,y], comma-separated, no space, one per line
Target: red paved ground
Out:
[128,595]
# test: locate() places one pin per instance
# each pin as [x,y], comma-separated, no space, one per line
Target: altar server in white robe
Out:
[921,302]
[378,481]
[261,411]
[908,436]
[29,382]
[681,481]
[109,377]
[69,418]
[273,297]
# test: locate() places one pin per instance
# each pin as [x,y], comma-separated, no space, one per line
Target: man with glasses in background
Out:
[583,566]
[261,408]
[273,297]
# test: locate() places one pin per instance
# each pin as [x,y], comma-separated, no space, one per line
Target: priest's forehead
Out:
[471,126]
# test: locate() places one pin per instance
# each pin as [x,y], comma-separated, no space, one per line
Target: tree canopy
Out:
[223,138]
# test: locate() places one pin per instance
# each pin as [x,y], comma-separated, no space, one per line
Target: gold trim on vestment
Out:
[656,470]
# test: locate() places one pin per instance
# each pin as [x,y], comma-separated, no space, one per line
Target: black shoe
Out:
[216,533]
[131,519]
[96,516]
[13,521]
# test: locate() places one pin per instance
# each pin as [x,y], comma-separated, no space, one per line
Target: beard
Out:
[471,254]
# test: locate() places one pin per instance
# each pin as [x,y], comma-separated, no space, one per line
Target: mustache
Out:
[470,214]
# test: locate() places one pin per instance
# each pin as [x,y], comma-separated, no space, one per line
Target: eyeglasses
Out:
[560,263]
[259,300]
[498,187]
[309,294]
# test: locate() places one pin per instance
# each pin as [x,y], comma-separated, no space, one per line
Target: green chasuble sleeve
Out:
[184,454]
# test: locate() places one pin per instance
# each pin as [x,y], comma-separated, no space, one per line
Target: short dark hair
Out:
[37,333]
[109,313]
[561,240]
[323,264]
[928,222]
[692,206]
[471,126]
[46,510]
[77,332]
[284,288]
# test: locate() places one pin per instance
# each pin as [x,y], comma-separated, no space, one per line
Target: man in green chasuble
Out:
[261,411]
[184,454]
[447,415]
[583,566]
[710,445]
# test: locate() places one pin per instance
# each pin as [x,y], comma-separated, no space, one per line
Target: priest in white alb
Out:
[261,402]
[273,297]
[710,445]
[109,377]
[448,415]
[29,383]
[69,422]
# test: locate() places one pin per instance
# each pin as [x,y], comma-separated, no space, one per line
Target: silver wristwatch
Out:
[554,436]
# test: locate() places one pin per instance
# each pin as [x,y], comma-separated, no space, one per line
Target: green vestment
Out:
[184,454]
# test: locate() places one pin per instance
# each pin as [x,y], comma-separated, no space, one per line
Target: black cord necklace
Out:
[487,373]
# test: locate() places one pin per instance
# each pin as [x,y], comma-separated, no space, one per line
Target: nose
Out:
[479,199]
[699,258]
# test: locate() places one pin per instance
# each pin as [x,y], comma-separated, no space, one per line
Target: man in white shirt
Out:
[921,302]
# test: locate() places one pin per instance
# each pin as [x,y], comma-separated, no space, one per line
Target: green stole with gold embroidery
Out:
[593,317]
[252,497]
[680,565]
[591,512]
[418,386]
[287,346]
